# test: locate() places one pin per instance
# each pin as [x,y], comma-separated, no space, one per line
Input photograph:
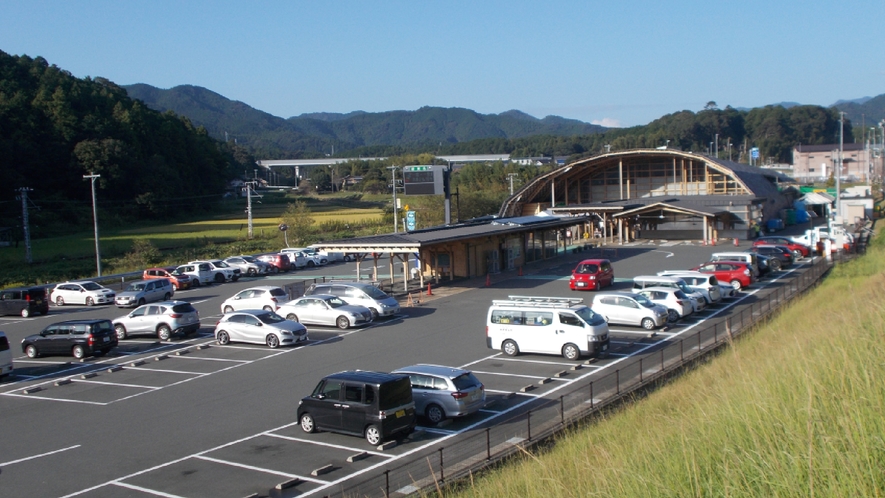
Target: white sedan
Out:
[326,309]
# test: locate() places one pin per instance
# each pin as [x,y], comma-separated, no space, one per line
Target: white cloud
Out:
[607,122]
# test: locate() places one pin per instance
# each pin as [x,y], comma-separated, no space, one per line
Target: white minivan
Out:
[5,356]
[548,325]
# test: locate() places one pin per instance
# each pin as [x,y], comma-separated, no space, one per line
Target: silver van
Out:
[627,308]
[363,294]
[145,291]
[5,356]
[441,392]
[698,303]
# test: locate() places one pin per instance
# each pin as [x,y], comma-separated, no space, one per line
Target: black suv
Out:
[24,301]
[79,338]
[374,405]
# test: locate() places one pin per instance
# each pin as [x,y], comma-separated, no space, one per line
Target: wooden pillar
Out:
[620,231]
[621,178]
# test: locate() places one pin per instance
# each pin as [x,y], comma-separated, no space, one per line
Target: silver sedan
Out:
[259,327]
[325,309]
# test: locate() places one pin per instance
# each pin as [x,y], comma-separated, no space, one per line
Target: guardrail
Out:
[480,449]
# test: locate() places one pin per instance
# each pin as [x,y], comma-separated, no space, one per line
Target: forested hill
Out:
[312,135]
[55,128]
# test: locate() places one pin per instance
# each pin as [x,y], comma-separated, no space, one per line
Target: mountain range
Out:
[316,134]
[321,133]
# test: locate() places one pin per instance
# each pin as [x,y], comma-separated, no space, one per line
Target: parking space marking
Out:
[259,469]
[330,445]
[517,360]
[517,375]
[6,464]
[444,432]
[212,359]
[146,490]
[135,386]
[63,400]
[182,372]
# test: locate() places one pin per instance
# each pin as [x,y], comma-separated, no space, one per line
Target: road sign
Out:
[410,220]
[423,180]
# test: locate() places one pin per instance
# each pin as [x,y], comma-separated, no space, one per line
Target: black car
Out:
[24,301]
[79,338]
[373,405]
[782,254]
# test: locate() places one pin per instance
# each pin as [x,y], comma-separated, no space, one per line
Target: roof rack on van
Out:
[540,301]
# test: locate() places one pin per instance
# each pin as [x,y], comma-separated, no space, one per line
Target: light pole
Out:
[393,184]
[839,168]
[511,175]
[717,146]
[94,177]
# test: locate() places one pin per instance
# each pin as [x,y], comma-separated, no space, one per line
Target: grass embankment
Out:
[794,408]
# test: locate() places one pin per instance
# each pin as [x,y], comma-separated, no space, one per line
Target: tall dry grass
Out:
[794,408]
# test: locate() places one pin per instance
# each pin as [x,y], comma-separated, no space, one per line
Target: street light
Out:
[393,184]
[94,177]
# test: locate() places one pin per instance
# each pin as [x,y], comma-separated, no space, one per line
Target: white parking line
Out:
[210,359]
[164,371]
[5,464]
[136,386]
[541,377]
[330,445]
[519,360]
[146,490]
[259,469]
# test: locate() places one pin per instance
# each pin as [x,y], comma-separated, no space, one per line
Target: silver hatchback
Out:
[159,319]
[440,392]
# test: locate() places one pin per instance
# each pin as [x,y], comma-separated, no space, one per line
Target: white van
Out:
[5,356]
[698,303]
[548,325]
[745,257]
[704,283]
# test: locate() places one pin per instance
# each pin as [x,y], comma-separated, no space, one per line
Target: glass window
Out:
[395,394]
[465,381]
[331,389]
[251,320]
[353,393]
[569,319]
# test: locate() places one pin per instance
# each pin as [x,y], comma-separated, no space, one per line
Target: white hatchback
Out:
[628,308]
[88,293]
[264,297]
[677,303]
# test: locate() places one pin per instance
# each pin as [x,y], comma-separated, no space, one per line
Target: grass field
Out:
[792,409]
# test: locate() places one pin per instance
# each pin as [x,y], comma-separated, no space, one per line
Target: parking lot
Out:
[191,418]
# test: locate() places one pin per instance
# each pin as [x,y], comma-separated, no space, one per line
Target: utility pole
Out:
[94,177]
[393,184]
[511,175]
[841,161]
[249,208]
[25,223]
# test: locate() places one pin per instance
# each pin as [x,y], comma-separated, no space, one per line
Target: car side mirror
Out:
[321,396]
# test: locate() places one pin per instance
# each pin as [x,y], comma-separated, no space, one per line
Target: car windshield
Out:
[183,308]
[336,302]
[589,316]
[395,393]
[375,293]
[278,293]
[221,264]
[587,268]
[249,259]
[135,287]
[466,381]
[270,318]
[684,288]
[644,301]
[91,286]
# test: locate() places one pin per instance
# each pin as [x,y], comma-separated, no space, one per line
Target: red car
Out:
[592,274]
[179,280]
[738,274]
[278,262]
[798,250]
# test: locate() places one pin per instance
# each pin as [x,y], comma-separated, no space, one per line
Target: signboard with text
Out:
[423,180]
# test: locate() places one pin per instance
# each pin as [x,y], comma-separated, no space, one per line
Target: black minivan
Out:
[24,301]
[374,405]
[79,338]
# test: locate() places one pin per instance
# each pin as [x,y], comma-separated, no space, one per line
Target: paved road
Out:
[213,421]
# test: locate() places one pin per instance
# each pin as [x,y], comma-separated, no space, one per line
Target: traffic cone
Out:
[520,271]
[429,292]
[712,242]
[735,242]
[488,280]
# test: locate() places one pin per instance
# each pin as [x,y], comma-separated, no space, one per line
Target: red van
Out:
[592,274]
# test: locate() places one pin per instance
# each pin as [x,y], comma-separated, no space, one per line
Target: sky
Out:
[614,63]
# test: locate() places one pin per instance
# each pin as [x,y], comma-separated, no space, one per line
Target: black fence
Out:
[480,448]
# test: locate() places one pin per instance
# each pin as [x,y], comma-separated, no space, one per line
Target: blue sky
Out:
[616,63]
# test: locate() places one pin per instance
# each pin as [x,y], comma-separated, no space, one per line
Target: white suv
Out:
[88,293]
[264,297]
[219,271]
[311,259]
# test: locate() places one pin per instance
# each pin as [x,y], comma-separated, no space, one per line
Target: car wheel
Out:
[648,323]
[736,284]
[342,322]
[510,348]
[775,265]
[307,423]
[251,272]
[373,435]
[272,341]
[275,270]
[222,337]
[26,312]
[121,331]
[78,352]
[90,301]
[59,301]
[167,296]
[234,278]
[374,314]
[347,258]
[435,413]
[797,254]
[219,278]
[672,315]
[140,302]
[292,317]
[31,351]
[105,351]
[196,282]
[228,309]
[267,308]
[571,352]
[164,332]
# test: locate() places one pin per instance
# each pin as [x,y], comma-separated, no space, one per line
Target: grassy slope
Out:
[793,409]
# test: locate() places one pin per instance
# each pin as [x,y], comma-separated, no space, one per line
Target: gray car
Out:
[440,392]
[160,319]
[145,291]
[325,309]
[248,265]
[259,327]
